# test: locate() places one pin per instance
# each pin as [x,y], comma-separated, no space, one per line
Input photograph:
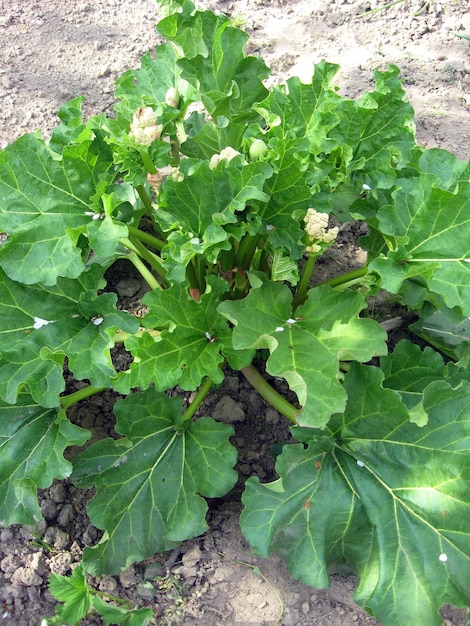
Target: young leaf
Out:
[32,443]
[378,129]
[327,327]
[149,483]
[204,202]
[111,614]
[379,493]
[214,62]
[74,592]
[192,348]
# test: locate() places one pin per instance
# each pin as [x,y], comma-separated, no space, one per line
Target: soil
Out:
[52,51]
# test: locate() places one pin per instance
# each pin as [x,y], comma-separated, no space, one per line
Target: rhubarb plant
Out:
[223,194]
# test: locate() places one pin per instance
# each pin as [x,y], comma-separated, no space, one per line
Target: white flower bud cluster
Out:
[316,227]
[144,127]
[227,154]
[162,174]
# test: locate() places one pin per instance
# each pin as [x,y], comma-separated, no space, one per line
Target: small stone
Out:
[128,287]
[145,591]
[26,576]
[66,515]
[108,584]
[128,578]
[154,570]
[57,493]
[228,411]
[272,416]
[49,509]
[38,563]
[56,537]
[305,608]
[60,563]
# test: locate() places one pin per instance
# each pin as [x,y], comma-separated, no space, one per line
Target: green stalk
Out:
[304,282]
[140,266]
[246,251]
[198,399]
[148,163]
[81,394]
[146,201]
[270,394]
[347,279]
[152,241]
[191,277]
[152,259]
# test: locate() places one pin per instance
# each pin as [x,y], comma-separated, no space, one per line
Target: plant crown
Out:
[221,193]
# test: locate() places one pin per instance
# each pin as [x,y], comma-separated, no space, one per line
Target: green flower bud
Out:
[258,150]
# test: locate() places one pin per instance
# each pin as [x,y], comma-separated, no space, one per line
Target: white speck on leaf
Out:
[279,329]
[39,322]
[97,320]
[443,558]
[366,187]
[291,321]
[361,463]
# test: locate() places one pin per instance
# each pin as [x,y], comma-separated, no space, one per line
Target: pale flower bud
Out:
[172,97]
[227,154]
[316,227]
[144,127]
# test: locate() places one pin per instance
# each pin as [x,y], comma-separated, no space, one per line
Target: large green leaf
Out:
[431,230]
[150,482]
[45,204]
[215,63]
[193,347]
[203,203]
[148,85]
[379,130]
[32,443]
[379,493]
[40,326]
[306,350]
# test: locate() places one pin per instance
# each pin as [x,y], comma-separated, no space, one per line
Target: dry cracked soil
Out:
[52,51]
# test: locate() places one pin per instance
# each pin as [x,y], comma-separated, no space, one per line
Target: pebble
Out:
[60,563]
[128,577]
[154,570]
[228,411]
[66,515]
[108,584]
[128,287]
[57,493]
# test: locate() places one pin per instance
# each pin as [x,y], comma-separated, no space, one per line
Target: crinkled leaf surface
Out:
[193,347]
[306,350]
[378,128]
[380,493]
[215,63]
[148,85]
[150,482]
[410,370]
[32,443]
[431,227]
[44,199]
[40,326]
[204,202]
